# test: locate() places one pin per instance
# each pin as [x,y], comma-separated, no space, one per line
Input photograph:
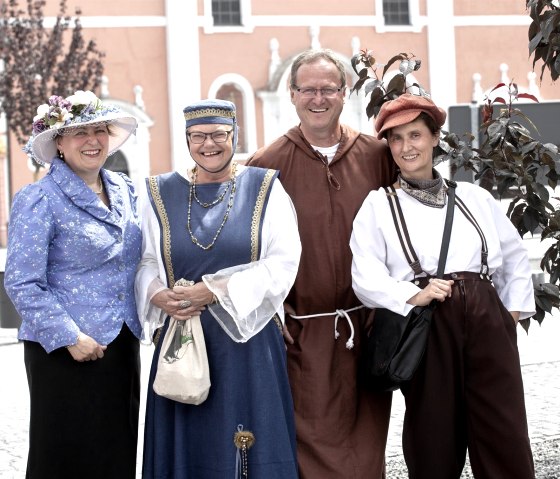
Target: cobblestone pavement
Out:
[540,359]
[542,393]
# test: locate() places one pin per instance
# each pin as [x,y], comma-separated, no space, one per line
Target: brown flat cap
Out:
[405,109]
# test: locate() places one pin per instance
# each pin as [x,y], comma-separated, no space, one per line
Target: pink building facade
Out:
[163,54]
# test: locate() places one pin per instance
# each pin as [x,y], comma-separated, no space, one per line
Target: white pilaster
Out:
[183,69]
[441,53]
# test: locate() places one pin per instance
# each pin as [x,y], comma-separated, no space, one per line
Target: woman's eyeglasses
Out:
[198,137]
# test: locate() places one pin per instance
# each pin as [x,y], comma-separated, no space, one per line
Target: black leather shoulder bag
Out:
[395,344]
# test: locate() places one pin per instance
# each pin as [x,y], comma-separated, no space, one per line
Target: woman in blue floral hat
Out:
[231,231]
[74,244]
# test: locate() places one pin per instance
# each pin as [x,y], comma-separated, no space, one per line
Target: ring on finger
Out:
[184,304]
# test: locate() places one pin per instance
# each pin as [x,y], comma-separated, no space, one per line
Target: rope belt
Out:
[339,313]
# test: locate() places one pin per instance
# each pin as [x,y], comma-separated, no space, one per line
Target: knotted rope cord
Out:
[339,313]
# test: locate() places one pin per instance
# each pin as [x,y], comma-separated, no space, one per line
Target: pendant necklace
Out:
[100,183]
[232,181]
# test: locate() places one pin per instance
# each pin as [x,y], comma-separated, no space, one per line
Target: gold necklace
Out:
[218,199]
[100,183]
[232,181]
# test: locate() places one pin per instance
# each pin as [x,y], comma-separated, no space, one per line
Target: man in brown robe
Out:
[341,428]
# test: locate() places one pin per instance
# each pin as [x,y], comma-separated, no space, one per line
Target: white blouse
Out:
[381,275]
[249,295]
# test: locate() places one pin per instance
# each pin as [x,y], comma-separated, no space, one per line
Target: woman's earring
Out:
[61,155]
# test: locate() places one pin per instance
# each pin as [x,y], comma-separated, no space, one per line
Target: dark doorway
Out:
[117,162]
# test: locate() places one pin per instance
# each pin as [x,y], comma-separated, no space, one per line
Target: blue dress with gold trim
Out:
[250,388]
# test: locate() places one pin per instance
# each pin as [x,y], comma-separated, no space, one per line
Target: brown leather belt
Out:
[458,276]
[469,275]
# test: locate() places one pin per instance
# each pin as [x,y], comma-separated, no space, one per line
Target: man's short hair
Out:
[311,56]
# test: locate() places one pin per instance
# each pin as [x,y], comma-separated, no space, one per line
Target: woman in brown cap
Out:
[467,393]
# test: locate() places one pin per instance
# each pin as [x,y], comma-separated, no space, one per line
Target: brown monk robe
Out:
[341,429]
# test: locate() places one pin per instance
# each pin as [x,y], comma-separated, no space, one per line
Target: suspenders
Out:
[404,237]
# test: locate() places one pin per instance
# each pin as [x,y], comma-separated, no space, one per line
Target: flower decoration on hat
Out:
[59,111]
[80,109]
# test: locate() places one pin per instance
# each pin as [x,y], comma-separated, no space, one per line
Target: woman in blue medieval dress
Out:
[232,231]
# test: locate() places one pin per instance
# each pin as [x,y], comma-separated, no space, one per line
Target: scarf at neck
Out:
[428,192]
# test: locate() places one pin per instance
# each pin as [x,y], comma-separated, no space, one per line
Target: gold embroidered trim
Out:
[209,112]
[157,336]
[278,322]
[166,233]
[257,214]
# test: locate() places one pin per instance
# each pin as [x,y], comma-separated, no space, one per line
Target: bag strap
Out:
[404,237]
[451,185]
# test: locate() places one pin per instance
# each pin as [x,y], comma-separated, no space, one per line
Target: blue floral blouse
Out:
[71,261]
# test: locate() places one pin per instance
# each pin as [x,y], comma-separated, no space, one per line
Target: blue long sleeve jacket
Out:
[71,261]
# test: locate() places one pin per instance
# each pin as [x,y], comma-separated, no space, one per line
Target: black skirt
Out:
[84,415]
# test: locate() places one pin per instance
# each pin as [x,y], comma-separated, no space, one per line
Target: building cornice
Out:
[259,21]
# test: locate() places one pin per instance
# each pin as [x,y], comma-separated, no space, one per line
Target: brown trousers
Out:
[468,392]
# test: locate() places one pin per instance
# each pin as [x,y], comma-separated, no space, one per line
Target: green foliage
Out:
[375,87]
[544,35]
[509,161]
[39,62]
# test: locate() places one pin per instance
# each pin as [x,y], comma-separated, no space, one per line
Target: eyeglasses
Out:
[311,92]
[198,137]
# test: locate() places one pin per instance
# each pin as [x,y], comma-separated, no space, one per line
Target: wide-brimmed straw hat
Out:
[404,109]
[82,108]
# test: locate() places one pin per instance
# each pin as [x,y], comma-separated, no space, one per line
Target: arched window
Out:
[231,92]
